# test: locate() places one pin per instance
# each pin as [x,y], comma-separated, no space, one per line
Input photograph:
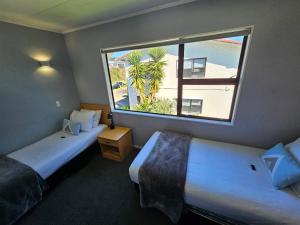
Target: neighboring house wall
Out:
[268,108]
[27,93]
[222,61]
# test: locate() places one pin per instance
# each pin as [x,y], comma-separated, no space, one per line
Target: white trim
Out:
[107,80]
[153,115]
[138,13]
[237,98]
[30,26]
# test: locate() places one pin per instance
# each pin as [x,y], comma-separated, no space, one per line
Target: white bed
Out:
[220,179]
[49,154]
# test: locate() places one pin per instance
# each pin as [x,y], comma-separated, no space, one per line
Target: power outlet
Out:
[58,105]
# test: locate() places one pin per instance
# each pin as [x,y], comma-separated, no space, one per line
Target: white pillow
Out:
[294,149]
[84,118]
[97,116]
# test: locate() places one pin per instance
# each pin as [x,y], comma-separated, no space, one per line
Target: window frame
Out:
[245,32]
[209,81]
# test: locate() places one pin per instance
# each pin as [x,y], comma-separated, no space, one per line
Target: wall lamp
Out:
[44,63]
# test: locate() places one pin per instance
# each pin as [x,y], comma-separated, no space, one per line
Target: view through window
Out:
[193,79]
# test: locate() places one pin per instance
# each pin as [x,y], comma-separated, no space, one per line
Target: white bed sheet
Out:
[49,154]
[220,179]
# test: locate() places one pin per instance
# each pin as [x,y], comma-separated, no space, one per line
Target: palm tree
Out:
[155,70]
[137,73]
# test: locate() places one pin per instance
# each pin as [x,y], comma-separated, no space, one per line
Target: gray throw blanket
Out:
[162,175]
[20,189]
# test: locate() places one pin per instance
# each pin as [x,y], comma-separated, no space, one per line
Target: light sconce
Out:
[45,67]
[44,63]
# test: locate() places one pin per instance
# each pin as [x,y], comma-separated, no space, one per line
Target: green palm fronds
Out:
[155,70]
[137,72]
[150,74]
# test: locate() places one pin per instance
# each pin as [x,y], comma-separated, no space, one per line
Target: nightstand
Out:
[115,144]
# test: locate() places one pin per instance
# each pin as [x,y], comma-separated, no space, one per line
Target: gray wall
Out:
[27,95]
[269,106]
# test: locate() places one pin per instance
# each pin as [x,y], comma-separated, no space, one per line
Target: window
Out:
[178,78]
[121,65]
[193,68]
[192,106]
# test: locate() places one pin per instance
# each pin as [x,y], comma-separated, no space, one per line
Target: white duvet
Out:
[220,179]
[49,154]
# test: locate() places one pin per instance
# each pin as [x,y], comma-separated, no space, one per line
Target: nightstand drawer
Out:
[108,142]
[116,143]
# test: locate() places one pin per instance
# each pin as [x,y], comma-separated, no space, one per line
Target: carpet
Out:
[91,190]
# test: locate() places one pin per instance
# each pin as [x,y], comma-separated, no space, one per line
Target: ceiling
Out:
[64,16]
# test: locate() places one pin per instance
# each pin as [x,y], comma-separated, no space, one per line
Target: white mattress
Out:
[220,179]
[49,154]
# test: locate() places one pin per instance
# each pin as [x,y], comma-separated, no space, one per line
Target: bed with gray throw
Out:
[20,189]
[230,181]
[162,175]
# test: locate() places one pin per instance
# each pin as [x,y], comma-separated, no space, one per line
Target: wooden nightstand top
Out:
[114,134]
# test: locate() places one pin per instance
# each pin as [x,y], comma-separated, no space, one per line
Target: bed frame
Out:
[105,110]
[222,220]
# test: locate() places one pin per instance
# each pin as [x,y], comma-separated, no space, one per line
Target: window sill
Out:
[196,120]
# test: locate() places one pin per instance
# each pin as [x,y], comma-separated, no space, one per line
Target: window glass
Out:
[145,79]
[218,58]
[213,101]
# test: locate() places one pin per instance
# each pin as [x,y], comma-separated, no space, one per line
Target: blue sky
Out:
[120,53]
[238,38]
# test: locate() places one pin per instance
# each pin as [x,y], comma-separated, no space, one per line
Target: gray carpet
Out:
[92,190]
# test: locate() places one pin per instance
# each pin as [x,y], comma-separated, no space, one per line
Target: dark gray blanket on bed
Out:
[162,175]
[20,189]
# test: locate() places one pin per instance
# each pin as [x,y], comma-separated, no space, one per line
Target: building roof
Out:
[121,57]
[229,41]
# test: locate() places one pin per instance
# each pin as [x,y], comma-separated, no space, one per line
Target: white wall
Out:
[268,109]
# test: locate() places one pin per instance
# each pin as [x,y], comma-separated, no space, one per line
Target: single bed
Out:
[51,153]
[22,171]
[231,181]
